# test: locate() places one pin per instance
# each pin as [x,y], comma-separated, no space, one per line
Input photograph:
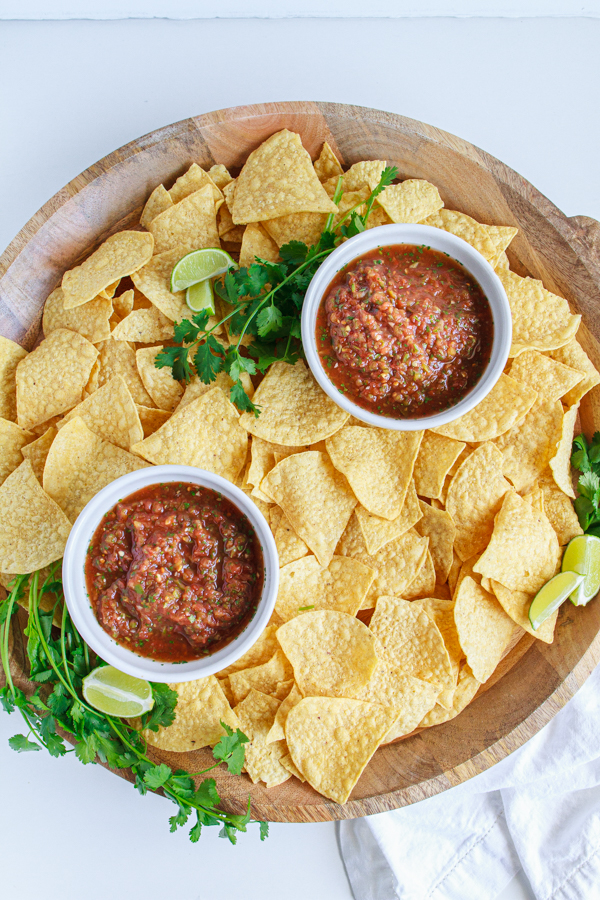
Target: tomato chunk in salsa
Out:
[404,331]
[174,571]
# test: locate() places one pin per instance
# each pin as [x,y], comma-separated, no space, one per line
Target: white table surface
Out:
[71,92]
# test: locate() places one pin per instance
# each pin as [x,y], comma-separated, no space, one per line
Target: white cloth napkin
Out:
[538,809]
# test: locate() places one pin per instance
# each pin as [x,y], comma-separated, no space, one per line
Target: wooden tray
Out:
[538,678]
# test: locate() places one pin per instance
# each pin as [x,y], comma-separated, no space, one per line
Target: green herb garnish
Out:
[586,458]
[59,659]
[263,301]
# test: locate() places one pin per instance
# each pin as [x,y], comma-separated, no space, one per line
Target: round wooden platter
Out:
[537,679]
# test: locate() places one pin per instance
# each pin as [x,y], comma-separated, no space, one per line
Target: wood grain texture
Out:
[537,679]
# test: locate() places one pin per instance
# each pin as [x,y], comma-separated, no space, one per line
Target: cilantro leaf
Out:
[21,744]
[206,363]
[235,364]
[230,749]
[264,830]
[156,776]
[207,794]
[185,331]
[294,253]
[176,359]
[269,319]
[240,399]
[163,711]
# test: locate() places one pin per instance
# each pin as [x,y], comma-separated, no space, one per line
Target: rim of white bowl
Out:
[437,239]
[78,602]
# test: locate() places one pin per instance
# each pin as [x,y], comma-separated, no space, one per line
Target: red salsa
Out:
[404,331]
[174,571]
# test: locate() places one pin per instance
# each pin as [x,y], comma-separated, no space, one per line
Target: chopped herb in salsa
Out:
[175,571]
[404,331]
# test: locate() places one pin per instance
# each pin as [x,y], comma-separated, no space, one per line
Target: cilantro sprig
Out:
[586,458]
[262,302]
[59,660]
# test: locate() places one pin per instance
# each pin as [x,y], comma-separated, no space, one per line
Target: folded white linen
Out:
[538,809]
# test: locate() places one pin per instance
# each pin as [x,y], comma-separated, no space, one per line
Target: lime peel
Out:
[583,556]
[199,265]
[115,693]
[551,595]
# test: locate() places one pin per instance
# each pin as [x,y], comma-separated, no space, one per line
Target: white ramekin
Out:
[474,263]
[78,602]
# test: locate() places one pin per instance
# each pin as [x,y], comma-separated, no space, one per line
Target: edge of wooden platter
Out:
[537,679]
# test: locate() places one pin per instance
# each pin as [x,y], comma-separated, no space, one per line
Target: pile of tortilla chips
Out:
[408,559]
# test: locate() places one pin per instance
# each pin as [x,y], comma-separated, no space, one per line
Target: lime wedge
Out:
[548,599]
[117,694]
[198,266]
[583,556]
[200,297]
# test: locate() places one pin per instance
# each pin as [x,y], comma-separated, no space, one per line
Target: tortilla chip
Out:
[277,731]
[120,255]
[573,355]
[195,388]
[12,441]
[464,227]
[33,530]
[541,319]
[265,677]
[378,465]
[466,689]
[300,226]
[11,355]
[290,545]
[484,629]
[158,201]
[327,165]
[79,464]
[262,761]
[160,384]
[397,564]
[123,304]
[201,707]
[523,551]
[439,527]
[304,584]
[117,358]
[516,605]
[561,463]
[410,697]
[474,497]
[191,224]
[442,613]
[263,459]
[363,173]
[257,243]
[331,740]
[501,236]
[37,451]
[550,378]
[205,434]
[315,498]
[51,379]
[294,409]
[151,419]
[91,320]
[219,175]
[331,652]
[530,445]
[191,182]
[378,532]
[260,652]
[411,642]
[558,507]
[111,414]
[277,179]
[411,201]
[435,459]
[505,405]
[146,326]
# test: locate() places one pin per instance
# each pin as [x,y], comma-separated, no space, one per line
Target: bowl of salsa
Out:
[406,327]
[170,573]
